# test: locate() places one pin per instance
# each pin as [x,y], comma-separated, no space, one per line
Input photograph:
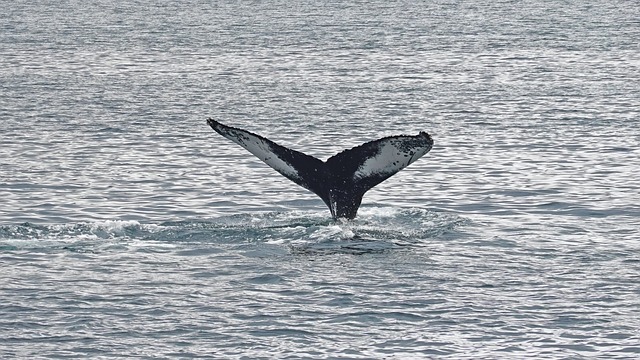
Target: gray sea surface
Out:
[129,229]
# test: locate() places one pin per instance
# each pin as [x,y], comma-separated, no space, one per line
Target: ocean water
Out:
[129,229]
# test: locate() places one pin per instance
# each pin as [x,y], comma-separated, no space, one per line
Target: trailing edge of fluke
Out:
[344,178]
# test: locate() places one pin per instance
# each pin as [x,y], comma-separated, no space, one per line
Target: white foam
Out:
[113,226]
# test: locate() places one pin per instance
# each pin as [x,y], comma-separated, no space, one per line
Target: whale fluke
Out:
[344,178]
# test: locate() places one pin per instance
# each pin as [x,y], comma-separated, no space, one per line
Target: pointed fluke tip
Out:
[426,135]
[215,125]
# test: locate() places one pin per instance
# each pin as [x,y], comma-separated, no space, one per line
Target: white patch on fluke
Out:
[392,157]
[262,151]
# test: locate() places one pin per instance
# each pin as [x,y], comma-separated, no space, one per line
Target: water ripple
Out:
[129,229]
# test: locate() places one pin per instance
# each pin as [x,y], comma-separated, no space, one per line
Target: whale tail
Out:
[344,178]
